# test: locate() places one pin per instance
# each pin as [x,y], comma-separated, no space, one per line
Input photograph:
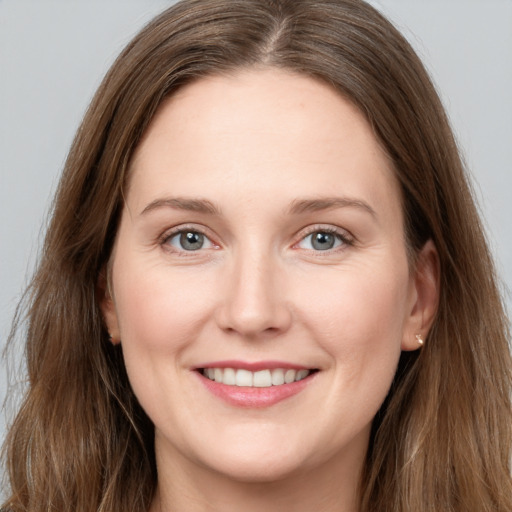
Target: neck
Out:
[184,487]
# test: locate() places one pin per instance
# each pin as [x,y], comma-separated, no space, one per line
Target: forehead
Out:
[266,130]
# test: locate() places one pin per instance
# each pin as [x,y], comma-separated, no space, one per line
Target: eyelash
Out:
[343,236]
[168,235]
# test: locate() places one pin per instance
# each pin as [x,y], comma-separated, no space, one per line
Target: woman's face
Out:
[261,243]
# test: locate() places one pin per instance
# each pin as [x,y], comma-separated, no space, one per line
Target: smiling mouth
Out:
[258,379]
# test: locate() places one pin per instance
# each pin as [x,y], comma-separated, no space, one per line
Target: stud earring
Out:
[419,339]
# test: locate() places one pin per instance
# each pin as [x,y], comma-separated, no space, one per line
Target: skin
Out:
[254,145]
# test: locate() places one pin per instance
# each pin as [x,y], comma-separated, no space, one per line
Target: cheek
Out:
[160,313]
[158,309]
[358,316]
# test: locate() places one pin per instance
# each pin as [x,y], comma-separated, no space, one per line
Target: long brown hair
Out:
[441,441]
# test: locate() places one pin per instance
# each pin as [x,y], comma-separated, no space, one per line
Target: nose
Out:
[253,298]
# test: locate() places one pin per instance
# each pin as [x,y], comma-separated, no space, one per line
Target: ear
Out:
[107,306]
[423,297]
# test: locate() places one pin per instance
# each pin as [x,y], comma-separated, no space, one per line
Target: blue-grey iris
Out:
[191,241]
[322,241]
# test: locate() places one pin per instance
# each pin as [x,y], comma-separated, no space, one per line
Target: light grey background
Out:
[53,55]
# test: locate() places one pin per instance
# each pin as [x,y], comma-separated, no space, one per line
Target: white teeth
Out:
[259,379]
[229,377]
[277,377]
[289,376]
[262,379]
[301,374]
[243,378]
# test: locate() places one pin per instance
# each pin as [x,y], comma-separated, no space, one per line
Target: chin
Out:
[255,463]
[260,471]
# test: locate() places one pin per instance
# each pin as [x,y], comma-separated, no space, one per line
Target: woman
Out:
[265,283]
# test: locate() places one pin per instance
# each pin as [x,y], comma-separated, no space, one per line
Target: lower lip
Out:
[251,397]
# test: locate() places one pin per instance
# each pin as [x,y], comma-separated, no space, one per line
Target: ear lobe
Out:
[108,308]
[424,299]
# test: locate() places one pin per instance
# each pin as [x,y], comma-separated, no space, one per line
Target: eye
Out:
[189,240]
[322,240]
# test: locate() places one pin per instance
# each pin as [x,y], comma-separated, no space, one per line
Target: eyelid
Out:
[345,236]
[180,228]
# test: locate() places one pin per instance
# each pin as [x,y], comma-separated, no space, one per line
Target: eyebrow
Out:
[314,205]
[297,206]
[180,203]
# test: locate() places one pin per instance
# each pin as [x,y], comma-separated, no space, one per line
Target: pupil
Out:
[191,241]
[323,241]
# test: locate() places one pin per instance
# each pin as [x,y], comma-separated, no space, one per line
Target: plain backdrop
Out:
[53,55]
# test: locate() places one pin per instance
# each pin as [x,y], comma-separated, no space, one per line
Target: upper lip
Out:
[253,366]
